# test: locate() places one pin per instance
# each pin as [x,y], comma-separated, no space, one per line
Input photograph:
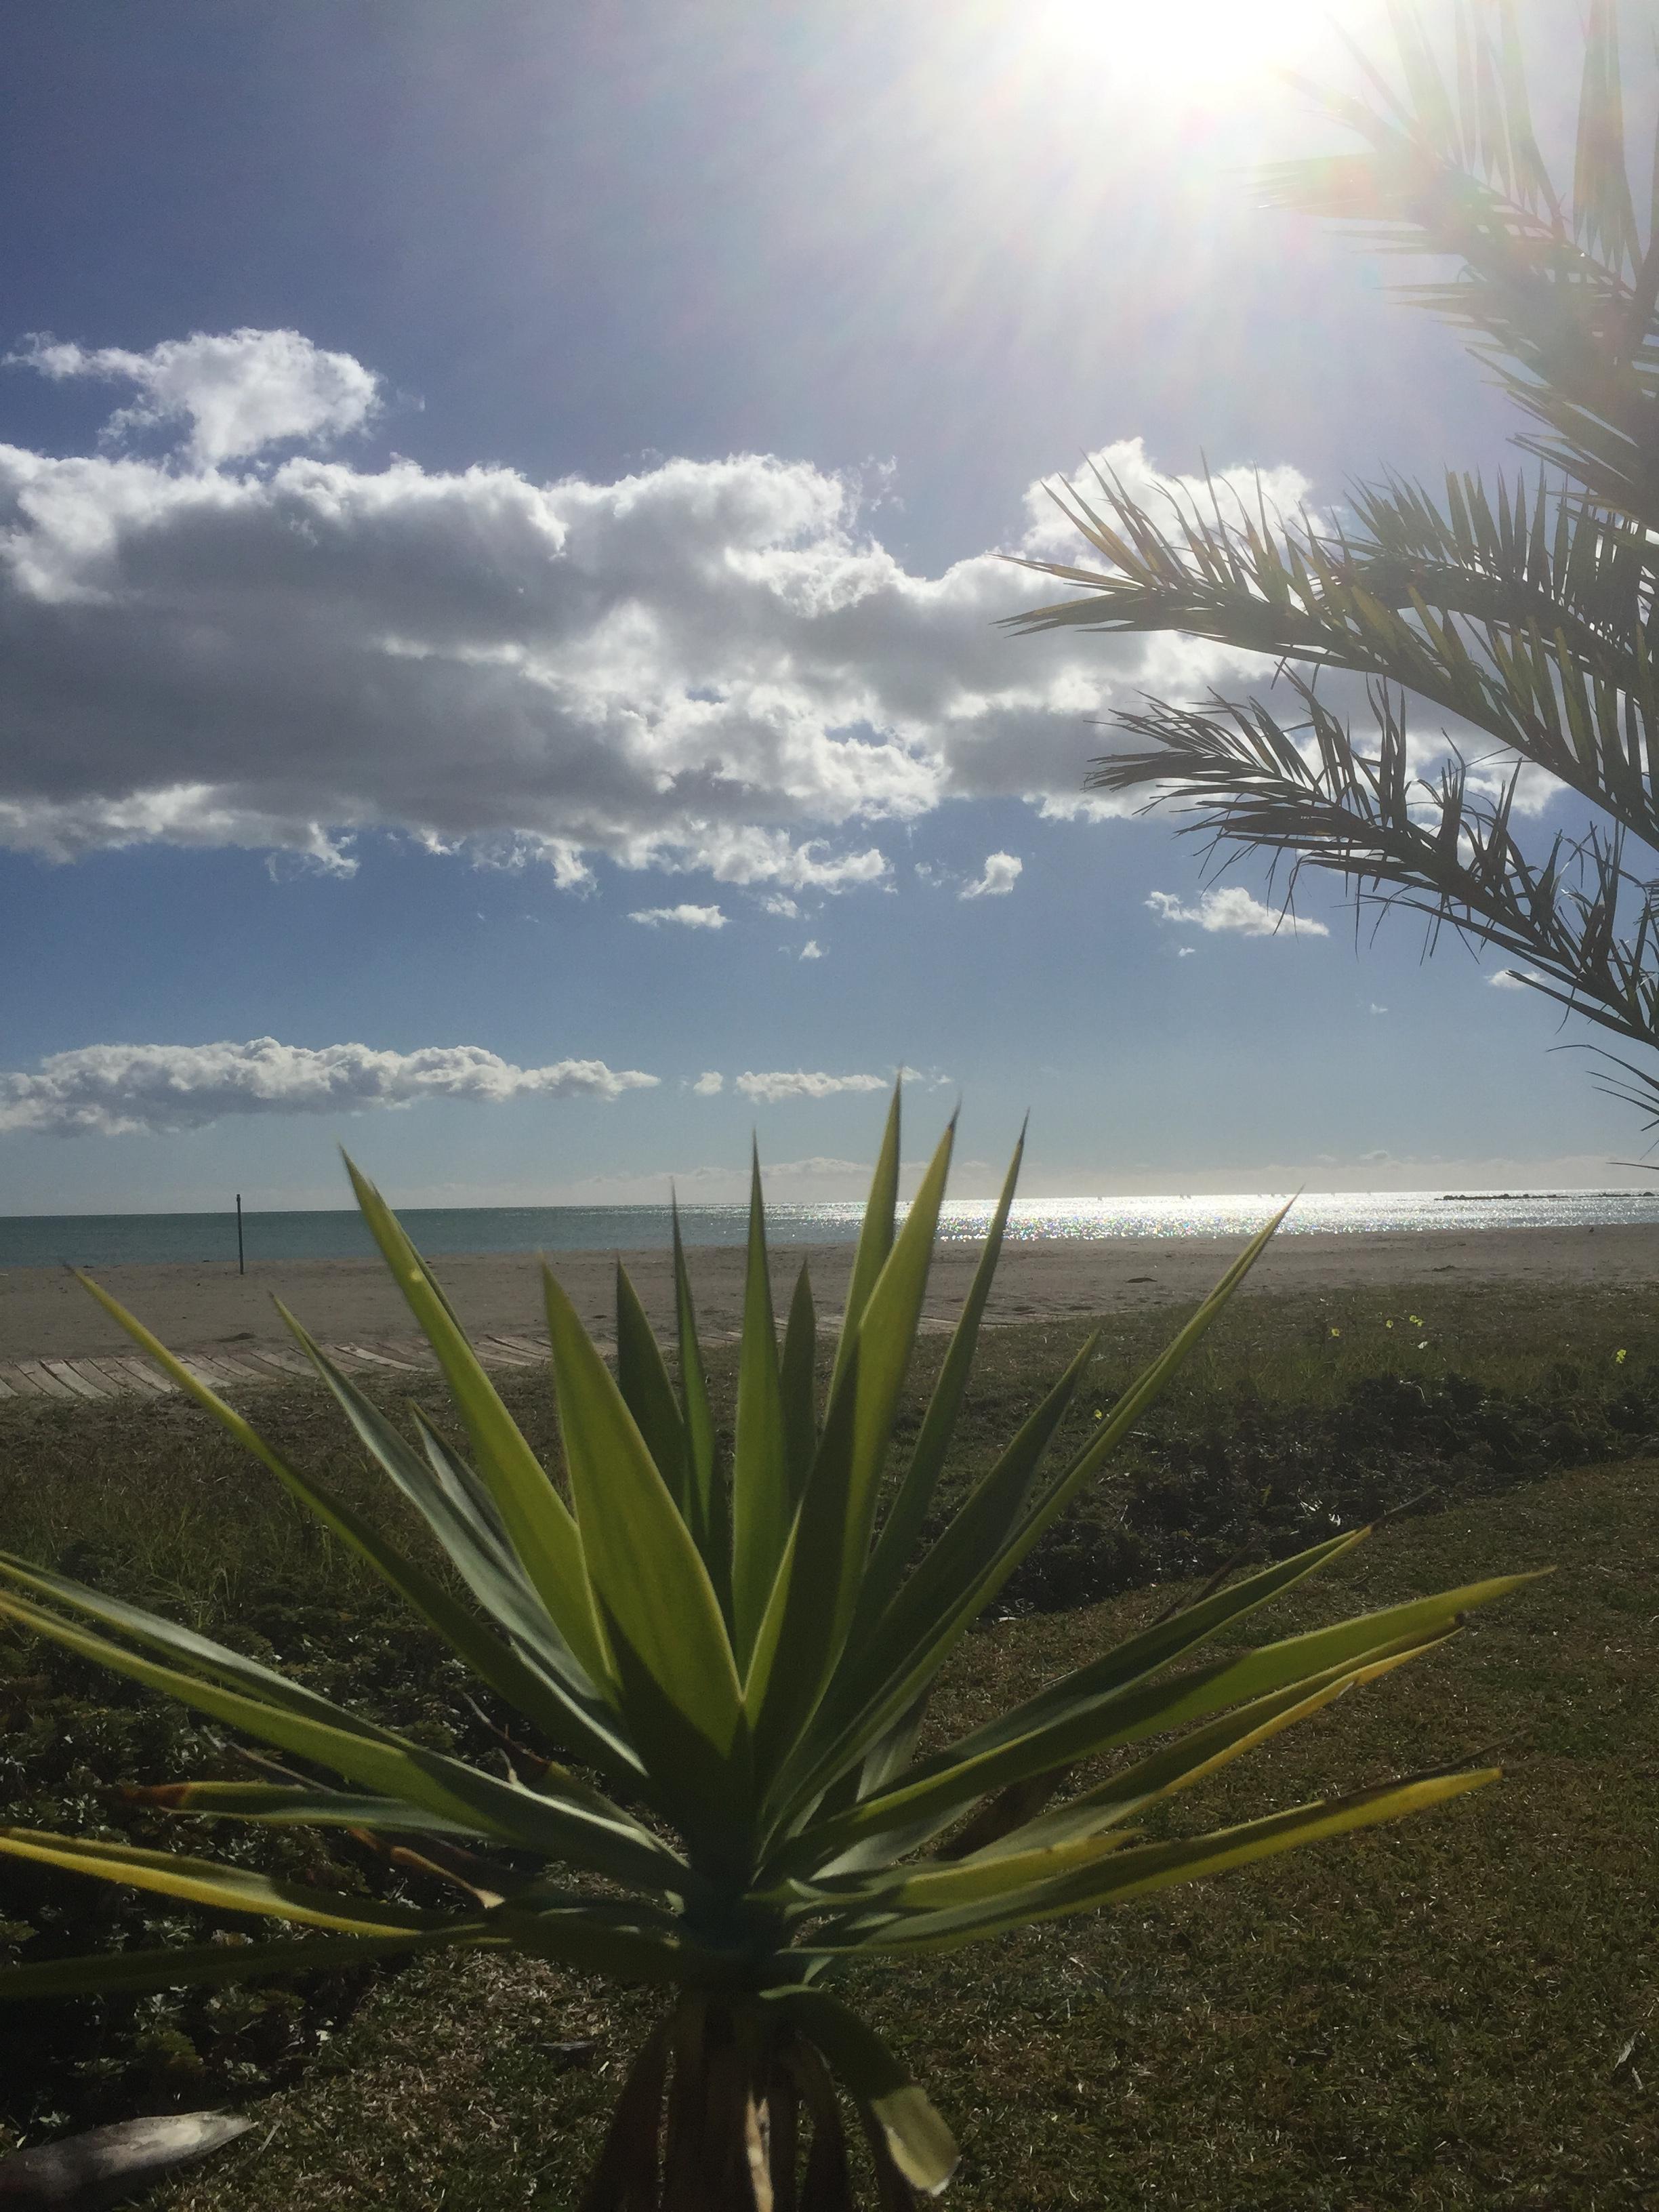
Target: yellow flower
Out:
[1416,1319]
[1387,1324]
[1618,1358]
[1336,1332]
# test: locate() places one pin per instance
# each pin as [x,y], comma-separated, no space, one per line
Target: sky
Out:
[505,513]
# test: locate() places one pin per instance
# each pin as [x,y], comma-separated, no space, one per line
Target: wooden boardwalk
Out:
[117,1375]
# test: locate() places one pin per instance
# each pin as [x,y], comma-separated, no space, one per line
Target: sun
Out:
[1199,48]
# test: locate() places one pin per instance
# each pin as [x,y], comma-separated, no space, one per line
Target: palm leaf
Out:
[705,1514]
[225,1889]
[670,1659]
[914,1493]
[208,1965]
[543,1533]
[1139,1870]
[648,1393]
[561,1816]
[762,1505]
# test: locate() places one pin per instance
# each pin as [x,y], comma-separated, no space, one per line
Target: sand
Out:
[44,1313]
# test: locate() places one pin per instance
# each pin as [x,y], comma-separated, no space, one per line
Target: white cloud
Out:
[1001,873]
[709,1085]
[1513,979]
[769,1090]
[1234,908]
[114,1089]
[1243,493]
[683,917]
[237,393]
[777,903]
[710,665]
[1376,1009]
[812,950]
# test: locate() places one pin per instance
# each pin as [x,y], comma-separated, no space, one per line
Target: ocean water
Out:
[106,1240]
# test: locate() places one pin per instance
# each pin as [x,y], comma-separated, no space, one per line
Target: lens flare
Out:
[1193,48]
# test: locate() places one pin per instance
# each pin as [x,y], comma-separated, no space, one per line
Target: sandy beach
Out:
[44,1313]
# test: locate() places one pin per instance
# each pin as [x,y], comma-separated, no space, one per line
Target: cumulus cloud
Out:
[709,1085]
[116,1089]
[713,666]
[235,394]
[812,950]
[769,1090]
[1000,873]
[1243,493]
[680,917]
[1233,908]
[779,903]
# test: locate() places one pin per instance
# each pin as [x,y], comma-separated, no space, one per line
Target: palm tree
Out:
[1527,611]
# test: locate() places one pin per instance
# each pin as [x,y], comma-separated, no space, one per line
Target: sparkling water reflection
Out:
[112,1240]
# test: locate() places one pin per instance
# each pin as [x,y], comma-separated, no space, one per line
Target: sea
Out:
[106,1240]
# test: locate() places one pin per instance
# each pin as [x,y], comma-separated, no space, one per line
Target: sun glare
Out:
[1205,48]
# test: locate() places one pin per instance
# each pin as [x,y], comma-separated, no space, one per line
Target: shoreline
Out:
[44,1313]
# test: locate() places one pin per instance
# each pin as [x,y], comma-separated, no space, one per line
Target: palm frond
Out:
[1529,613]
[1555,292]
[1532,621]
[1585,928]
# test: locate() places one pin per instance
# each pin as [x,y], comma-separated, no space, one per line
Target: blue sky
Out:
[478,477]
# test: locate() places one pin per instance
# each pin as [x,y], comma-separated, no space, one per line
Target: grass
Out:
[150,1488]
[1432,2016]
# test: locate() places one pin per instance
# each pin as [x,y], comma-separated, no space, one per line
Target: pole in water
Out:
[241,1265]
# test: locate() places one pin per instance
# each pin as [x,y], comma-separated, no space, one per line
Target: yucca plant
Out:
[735,1665]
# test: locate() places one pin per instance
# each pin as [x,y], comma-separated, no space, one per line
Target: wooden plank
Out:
[7,1391]
[503,1355]
[407,1355]
[80,1384]
[235,1363]
[528,1346]
[130,1374]
[267,1368]
[283,1362]
[23,1385]
[99,1371]
[382,1360]
[207,1371]
[48,1385]
[525,1347]
[145,1376]
[344,1356]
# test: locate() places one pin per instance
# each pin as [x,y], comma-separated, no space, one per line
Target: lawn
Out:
[1457,2011]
